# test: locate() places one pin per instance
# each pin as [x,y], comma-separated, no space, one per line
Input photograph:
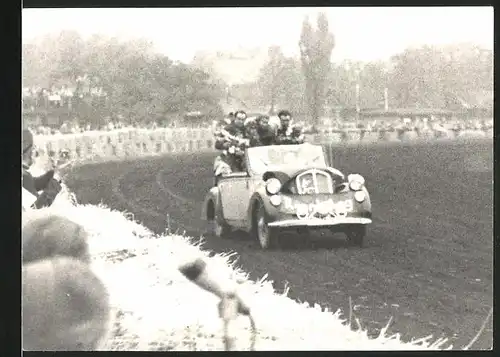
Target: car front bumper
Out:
[318,222]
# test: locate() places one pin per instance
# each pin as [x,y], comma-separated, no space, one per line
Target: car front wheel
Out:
[356,235]
[265,234]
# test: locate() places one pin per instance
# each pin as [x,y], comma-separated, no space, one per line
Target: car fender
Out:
[212,196]
[367,203]
[334,172]
[260,195]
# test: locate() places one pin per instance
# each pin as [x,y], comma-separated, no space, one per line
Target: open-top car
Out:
[288,187]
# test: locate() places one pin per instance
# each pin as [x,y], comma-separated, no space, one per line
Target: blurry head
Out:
[250,123]
[263,120]
[239,117]
[46,235]
[285,118]
[263,125]
[240,114]
[65,306]
[297,130]
[266,130]
[27,147]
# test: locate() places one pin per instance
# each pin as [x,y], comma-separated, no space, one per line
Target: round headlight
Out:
[359,196]
[356,177]
[356,181]
[273,186]
[275,200]
[355,185]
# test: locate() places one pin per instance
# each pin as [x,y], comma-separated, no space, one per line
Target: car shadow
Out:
[315,242]
[288,241]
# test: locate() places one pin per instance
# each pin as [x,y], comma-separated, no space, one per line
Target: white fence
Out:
[130,143]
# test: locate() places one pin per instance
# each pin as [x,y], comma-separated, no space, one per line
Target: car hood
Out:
[287,173]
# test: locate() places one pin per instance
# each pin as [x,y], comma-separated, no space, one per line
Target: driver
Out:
[260,131]
[288,133]
[229,138]
[266,131]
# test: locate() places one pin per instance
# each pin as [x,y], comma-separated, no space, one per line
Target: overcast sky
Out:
[361,33]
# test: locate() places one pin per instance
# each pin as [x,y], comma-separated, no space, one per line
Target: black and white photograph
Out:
[257,178]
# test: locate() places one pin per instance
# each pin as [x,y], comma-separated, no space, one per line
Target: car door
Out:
[234,196]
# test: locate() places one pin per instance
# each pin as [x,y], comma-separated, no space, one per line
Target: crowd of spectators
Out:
[405,124]
[409,124]
[75,128]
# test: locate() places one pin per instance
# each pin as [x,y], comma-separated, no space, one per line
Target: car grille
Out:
[314,181]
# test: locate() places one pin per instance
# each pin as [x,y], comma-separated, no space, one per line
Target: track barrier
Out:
[131,143]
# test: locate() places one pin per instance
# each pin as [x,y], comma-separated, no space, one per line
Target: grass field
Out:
[428,255]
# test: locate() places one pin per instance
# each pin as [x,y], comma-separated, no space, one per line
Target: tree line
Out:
[140,84]
[445,77]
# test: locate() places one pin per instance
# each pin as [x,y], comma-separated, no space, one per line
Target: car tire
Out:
[266,236]
[356,235]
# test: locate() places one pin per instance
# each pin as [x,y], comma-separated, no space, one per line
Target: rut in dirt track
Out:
[428,255]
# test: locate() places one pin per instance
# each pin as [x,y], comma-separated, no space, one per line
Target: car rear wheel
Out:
[356,235]
[265,234]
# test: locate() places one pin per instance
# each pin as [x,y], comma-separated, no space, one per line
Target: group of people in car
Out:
[237,132]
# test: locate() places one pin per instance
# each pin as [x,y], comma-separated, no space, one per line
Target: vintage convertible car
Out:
[288,187]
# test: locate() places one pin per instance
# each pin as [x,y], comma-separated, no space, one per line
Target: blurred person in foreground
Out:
[65,305]
[47,183]
[287,133]
[230,139]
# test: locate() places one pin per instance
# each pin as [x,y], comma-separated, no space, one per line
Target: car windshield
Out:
[265,158]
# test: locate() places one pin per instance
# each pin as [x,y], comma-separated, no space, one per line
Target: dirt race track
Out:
[428,257]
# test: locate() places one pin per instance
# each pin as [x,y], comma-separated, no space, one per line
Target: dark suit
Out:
[35,184]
